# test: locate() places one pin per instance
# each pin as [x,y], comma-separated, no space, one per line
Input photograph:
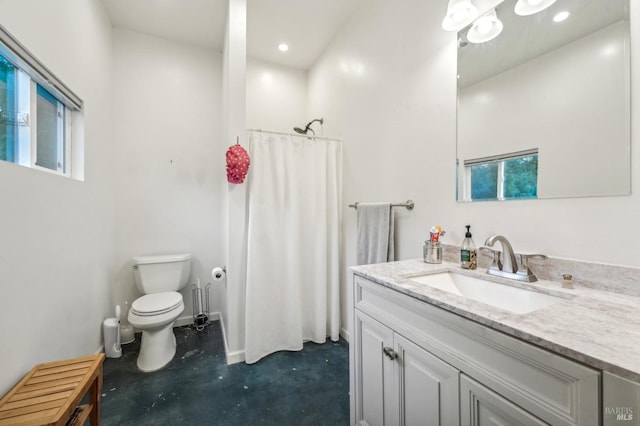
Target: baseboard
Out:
[235,357]
[232,357]
[344,333]
[188,319]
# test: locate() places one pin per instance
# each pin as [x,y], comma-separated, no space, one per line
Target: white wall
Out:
[392,95]
[169,157]
[276,97]
[581,91]
[57,240]
[234,123]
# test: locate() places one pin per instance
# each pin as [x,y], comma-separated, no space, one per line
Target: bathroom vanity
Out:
[424,353]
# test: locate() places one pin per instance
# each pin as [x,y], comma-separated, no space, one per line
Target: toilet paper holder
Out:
[218,273]
[200,306]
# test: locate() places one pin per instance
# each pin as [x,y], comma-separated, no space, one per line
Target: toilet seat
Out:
[157,303]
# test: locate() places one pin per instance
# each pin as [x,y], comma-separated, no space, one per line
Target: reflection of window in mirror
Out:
[503,177]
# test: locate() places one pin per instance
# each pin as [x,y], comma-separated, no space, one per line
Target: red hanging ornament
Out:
[237,164]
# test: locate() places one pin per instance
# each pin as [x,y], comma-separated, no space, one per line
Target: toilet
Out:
[159,278]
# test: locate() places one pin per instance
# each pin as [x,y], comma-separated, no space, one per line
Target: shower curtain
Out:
[292,286]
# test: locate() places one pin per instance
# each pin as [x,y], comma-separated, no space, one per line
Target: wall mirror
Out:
[544,108]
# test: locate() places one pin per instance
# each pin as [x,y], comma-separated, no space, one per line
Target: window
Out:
[505,177]
[7,103]
[36,110]
[50,138]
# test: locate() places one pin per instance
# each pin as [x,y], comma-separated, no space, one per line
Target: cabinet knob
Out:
[390,353]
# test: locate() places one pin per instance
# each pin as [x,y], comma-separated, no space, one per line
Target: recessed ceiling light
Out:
[283,47]
[561,16]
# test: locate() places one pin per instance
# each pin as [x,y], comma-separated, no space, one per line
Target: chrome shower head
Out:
[308,126]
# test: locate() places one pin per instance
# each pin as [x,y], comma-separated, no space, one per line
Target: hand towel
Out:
[375,233]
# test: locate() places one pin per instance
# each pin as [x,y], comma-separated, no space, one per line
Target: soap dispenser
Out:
[468,259]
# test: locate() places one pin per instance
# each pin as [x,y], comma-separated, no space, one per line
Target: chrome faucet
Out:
[508,267]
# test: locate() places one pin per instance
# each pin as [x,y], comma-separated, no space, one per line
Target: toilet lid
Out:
[157,303]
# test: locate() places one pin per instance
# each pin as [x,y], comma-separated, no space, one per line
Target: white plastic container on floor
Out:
[111,330]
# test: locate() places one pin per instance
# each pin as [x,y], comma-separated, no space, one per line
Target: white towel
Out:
[375,233]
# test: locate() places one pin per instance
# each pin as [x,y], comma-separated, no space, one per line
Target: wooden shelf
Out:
[49,394]
[83,412]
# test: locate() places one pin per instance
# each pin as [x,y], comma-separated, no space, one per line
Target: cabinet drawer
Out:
[552,388]
[480,406]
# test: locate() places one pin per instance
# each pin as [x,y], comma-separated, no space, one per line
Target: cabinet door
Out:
[479,406]
[376,395]
[428,387]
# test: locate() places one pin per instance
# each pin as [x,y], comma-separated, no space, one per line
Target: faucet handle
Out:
[524,263]
[496,264]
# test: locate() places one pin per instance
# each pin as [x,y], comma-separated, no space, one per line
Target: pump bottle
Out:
[468,259]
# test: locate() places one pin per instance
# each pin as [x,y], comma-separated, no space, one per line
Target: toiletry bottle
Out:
[468,258]
[567,281]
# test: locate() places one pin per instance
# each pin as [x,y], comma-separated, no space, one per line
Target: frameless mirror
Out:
[544,109]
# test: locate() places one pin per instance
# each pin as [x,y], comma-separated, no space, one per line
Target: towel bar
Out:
[409,205]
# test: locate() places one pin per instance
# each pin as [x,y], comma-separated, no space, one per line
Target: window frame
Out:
[64,137]
[31,74]
[500,160]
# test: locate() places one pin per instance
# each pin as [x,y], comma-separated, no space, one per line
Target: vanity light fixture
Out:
[561,16]
[283,47]
[485,28]
[529,7]
[460,13]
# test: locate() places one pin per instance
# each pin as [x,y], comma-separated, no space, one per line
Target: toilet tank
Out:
[155,274]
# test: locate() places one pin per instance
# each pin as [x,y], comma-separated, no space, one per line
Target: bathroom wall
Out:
[259,95]
[57,240]
[234,125]
[169,157]
[276,97]
[392,95]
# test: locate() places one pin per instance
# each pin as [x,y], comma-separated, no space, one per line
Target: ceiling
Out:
[307,26]
[527,37]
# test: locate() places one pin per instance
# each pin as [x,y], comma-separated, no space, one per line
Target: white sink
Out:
[514,299]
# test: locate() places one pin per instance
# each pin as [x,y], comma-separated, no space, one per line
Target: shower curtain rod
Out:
[295,134]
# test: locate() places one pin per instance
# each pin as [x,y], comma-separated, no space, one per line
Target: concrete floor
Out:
[310,387]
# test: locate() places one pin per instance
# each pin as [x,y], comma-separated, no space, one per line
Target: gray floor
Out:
[310,387]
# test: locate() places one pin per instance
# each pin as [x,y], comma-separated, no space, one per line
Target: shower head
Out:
[302,131]
[308,126]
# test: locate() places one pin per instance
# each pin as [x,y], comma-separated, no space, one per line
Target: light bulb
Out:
[460,14]
[530,7]
[485,26]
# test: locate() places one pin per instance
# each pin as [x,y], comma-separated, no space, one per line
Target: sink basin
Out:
[514,299]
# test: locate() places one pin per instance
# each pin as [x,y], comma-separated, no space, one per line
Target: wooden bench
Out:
[50,393]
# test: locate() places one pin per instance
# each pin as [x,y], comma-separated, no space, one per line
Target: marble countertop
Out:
[598,328]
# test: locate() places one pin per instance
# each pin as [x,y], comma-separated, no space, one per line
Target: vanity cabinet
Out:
[402,383]
[480,406]
[417,364]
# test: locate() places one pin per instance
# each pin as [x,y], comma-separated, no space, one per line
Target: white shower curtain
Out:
[292,287]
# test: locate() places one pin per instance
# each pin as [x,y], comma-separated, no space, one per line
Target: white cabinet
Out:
[428,386]
[377,395]
[479,406]
[417,364]
[401,383]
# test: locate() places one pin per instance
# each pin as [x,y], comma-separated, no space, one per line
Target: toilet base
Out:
[157,348]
